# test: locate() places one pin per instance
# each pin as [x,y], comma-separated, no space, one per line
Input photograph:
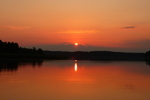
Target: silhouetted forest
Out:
[148,57]
[11,50]
[11,47]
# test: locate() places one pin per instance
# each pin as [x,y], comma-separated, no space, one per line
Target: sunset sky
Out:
[119,25]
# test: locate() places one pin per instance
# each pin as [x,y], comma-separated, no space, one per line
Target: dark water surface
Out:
[74,80]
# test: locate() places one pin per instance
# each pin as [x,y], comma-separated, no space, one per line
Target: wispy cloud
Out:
[129,27]
[17,27]
[128,46]
[79,31]
[138,45]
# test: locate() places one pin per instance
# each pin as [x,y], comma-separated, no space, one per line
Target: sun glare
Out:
[76,44]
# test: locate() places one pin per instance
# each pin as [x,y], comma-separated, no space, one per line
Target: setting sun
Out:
[76,44]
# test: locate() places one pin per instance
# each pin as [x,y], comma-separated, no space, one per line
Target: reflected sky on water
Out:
[77,80]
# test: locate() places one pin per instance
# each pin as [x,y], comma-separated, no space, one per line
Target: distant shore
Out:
[11,50]
[78,55]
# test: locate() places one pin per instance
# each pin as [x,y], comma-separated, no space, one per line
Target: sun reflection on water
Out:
[75,66]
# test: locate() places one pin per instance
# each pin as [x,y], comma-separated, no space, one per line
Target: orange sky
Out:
[101,23]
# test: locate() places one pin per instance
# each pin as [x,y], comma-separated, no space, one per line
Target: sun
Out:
[76,44]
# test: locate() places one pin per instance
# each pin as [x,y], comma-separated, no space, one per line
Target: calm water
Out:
[75,80]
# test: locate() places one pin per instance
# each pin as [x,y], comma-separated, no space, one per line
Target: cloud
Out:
[79,31]
[129,27]
[137,45]
[17,27]
[139,42]
[122,46]
[72,47]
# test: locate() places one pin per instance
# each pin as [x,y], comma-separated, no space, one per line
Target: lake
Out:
[74,80]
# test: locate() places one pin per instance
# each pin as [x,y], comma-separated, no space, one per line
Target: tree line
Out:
[148,55]
[12,47]
[11,50]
